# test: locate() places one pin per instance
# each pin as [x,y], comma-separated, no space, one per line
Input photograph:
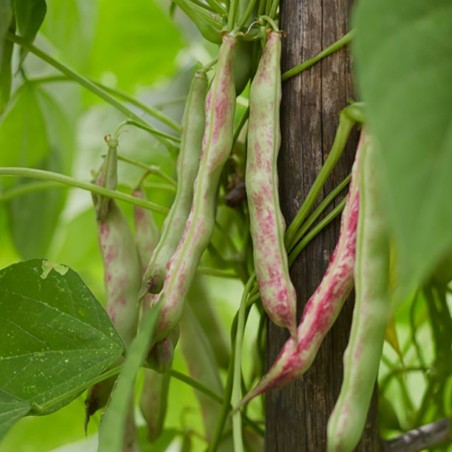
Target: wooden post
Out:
[297,415]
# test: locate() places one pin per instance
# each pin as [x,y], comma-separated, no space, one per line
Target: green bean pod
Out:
[193,124]
[266,220]
[119,254]
[216,147]
[147,234]
[371,312]
[122,278]
[324,305]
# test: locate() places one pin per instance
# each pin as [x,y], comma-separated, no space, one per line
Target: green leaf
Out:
[6,51]
[33,217]
[25,132]
[111,432]
[29,17]
[402,55]
[69,25]
[56,337]
[11,410]
[143,23]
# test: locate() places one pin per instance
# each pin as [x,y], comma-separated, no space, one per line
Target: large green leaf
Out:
[11,410]
[26,135]
[69,25]
[29,17]
[23,138]
[404,67]
[56,337]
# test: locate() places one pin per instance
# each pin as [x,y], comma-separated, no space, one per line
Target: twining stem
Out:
[151,111]
[156,133]
[346,39]
[343,132]
[83,81]
[71,182]
[195,385]
[319,209]
[150,169]
[246,14]
[232,13]
[314,231]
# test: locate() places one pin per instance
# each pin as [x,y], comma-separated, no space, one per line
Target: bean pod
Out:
[324,305]
[371,312]
[122,278]
[193,124]
[216,147]
[119,254]
[266,220]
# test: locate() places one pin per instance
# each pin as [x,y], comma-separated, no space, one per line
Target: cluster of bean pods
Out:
[161,267]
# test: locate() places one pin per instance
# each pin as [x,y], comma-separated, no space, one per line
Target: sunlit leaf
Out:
[70,25]
[23,138]
[135,41]
[404,69]
[56,337]
[33,217]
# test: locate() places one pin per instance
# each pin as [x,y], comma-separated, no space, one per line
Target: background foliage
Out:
[403,74]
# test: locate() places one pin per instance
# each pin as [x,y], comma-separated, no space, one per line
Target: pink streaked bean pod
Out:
[266,220]
[122,270]
[216,147]
[371,313]
[324,305]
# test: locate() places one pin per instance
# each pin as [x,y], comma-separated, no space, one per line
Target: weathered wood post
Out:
[297,415]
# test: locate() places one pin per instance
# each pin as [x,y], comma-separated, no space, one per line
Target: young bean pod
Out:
[371,312]
[187,167]
[266,220]
[216,147]
[122,277]
[121,262]
[324,305]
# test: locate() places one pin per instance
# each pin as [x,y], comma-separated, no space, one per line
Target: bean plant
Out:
[144,250]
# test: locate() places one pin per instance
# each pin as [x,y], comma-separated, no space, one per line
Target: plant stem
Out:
[83,81]
[343,131]
[196,385]
[150,169]
[154,132]
[236,395]
[152,111]
[308,237]
[71,182]
[320,208]
[346,39]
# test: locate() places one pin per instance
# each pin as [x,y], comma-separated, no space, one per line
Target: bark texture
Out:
[297,415]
